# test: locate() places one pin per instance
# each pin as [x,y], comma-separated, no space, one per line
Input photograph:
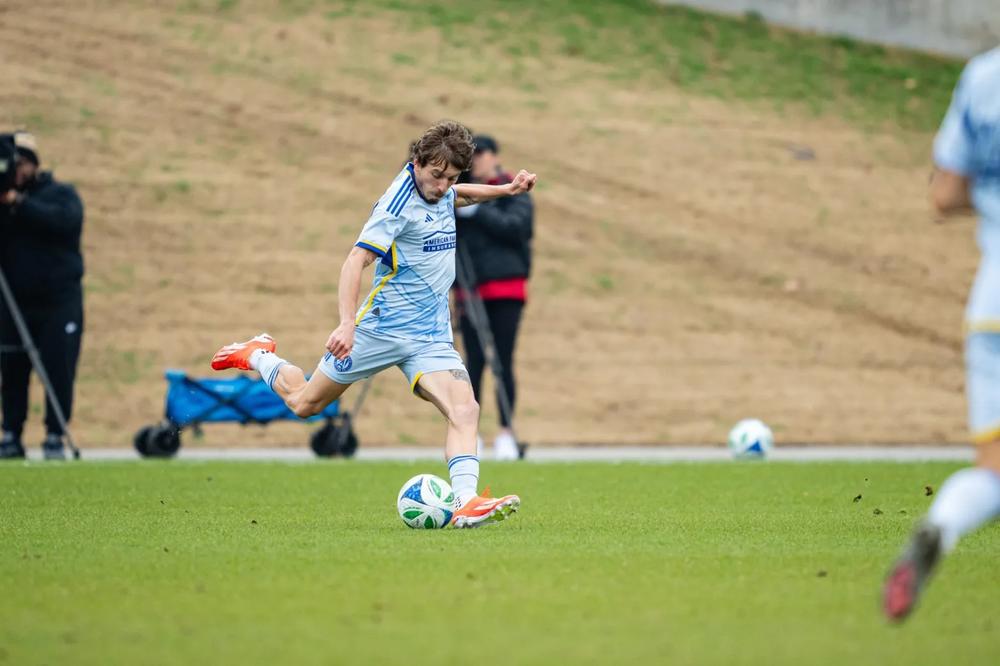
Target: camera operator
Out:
[40,224]
[496,238]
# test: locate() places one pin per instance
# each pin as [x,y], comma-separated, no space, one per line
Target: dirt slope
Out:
[698,260]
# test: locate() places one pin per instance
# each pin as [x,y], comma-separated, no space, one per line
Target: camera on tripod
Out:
[8,163]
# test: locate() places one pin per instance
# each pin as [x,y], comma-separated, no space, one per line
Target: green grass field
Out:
[707,54]
[270,563]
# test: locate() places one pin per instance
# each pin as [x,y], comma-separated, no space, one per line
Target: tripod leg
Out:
[480,322]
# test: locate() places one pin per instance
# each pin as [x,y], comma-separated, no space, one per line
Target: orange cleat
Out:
[237,355]
[483,509]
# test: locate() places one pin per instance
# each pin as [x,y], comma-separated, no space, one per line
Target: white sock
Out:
[254,357]
[967,500]
[267,364]
[464,470]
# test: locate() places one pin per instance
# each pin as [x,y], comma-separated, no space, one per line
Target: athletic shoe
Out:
[910,573]
[505,447]
[483,509]
[11,447]
[52,448]
[237,355]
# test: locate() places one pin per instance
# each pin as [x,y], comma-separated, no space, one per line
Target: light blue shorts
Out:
[374,353]
[982,367]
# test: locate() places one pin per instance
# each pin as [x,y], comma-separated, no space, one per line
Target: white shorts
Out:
[982,366]
[374,353]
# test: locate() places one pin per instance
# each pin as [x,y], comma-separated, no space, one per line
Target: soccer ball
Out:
[426,502]
[750,438]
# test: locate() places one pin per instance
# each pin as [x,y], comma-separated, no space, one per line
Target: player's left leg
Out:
[969,498]
[436,374]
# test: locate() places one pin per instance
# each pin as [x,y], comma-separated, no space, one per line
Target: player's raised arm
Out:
[467,194]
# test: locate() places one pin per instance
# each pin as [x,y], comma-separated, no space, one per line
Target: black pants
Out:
[57,328]
[504,318]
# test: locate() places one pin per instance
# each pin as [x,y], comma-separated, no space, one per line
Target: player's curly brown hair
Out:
[446,142]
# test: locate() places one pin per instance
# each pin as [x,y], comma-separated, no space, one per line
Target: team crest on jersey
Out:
[439,240]
[343,365]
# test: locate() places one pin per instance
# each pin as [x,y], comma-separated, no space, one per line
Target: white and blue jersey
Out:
[968,143]
[416,242]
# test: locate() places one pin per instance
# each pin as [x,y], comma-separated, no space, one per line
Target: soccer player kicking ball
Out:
[405,320]
[967,159]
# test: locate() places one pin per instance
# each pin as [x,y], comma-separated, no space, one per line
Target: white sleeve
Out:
[380,231]
[953,143]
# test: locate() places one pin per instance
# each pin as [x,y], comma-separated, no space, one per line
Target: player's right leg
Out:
[304,397]
[969,498]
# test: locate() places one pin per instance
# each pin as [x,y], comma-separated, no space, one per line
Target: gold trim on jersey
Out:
[385,280]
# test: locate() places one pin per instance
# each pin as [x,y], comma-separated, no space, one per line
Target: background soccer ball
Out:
[426,502]
[750,438]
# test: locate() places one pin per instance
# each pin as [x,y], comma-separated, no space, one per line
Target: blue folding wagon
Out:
[242,399]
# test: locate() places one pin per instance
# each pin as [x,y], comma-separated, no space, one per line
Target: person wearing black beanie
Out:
[496,236]
[41,221]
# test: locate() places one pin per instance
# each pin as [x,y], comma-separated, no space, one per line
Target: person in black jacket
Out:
[495,239]
[41,221]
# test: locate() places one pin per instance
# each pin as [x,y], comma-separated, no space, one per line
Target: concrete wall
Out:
[954,27]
